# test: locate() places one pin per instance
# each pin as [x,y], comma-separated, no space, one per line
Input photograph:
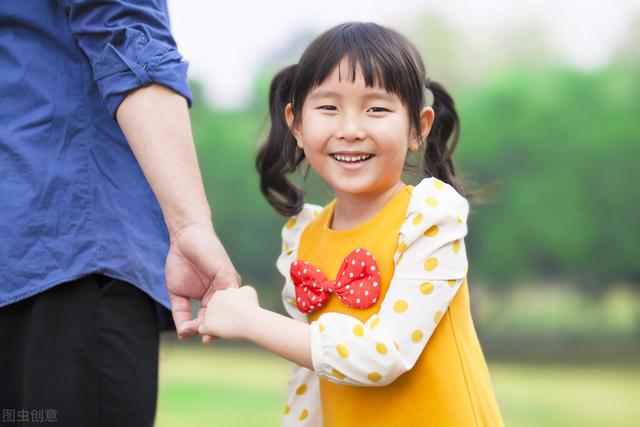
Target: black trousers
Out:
[84,353]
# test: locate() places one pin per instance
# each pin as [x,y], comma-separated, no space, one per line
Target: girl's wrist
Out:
[255,320]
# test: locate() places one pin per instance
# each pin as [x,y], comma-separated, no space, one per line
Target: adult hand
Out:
[197,266]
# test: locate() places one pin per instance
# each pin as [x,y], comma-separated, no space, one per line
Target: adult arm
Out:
[142,81]
[156,123]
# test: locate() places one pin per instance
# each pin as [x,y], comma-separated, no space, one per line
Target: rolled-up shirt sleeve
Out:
[129,45]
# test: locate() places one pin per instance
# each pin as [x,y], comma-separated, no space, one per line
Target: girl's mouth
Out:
[351,159]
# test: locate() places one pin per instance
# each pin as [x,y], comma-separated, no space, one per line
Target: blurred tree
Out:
[565,145]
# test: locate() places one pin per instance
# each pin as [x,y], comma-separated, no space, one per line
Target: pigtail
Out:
[443,137]
[280,155]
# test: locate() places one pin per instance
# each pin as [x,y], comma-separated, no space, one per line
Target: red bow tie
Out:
[357,283]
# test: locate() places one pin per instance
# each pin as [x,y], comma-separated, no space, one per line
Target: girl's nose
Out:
[351,130]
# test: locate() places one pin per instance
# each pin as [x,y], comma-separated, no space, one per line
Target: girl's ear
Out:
[288,116]
[427,116]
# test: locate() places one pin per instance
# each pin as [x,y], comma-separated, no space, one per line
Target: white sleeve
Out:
[430,266]
[291,233]
[303,408]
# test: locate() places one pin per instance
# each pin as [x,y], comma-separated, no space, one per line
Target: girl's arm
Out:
[236,314]
[282,335]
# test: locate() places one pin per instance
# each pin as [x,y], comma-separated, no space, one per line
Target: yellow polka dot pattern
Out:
[301,390]
[430,264]
[375,322]
[432,231]
[287,409]
[381,348]
[338,374]
[417,220]
[426,288]
[417,335]
[396,345]
[437,317]
[374,376]
[358,330]
[321,327]
[291,223]
[400,306]
[456,246]
[402,247]
[451,283]
[343,351]
[438,184]
[432,202]
[303,415]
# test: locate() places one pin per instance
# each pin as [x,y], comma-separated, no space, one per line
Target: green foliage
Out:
[564,145]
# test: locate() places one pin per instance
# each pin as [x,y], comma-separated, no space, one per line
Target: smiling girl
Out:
[375,282]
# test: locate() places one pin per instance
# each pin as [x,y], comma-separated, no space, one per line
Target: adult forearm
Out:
[155,121]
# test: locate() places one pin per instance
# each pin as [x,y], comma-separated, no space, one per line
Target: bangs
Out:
[384,57]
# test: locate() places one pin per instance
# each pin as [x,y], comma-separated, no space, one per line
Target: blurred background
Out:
[549,98]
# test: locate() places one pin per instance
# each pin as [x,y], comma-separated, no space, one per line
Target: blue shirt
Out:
[73,199]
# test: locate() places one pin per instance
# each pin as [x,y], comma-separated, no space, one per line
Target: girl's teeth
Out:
[343,158]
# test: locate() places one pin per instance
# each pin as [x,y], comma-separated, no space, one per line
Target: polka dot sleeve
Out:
[291,233]
[430,266]
[303,408]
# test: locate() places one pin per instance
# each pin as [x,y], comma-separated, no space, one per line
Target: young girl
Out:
[376,280]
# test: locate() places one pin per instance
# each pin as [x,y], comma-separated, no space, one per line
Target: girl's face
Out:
[356,137]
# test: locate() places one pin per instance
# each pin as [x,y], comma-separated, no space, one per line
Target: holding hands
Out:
[230,313]
[192,272]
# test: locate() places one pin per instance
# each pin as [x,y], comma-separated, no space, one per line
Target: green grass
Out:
[219,386]
[533,396]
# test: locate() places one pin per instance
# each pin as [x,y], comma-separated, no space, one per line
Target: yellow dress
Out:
[412,358]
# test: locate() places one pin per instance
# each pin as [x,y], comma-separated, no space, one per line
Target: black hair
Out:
[386,58]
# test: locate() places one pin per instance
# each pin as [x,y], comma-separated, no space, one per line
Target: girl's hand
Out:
[230,313]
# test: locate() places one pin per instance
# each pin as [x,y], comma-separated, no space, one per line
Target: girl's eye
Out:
[377,110]
[328,107]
